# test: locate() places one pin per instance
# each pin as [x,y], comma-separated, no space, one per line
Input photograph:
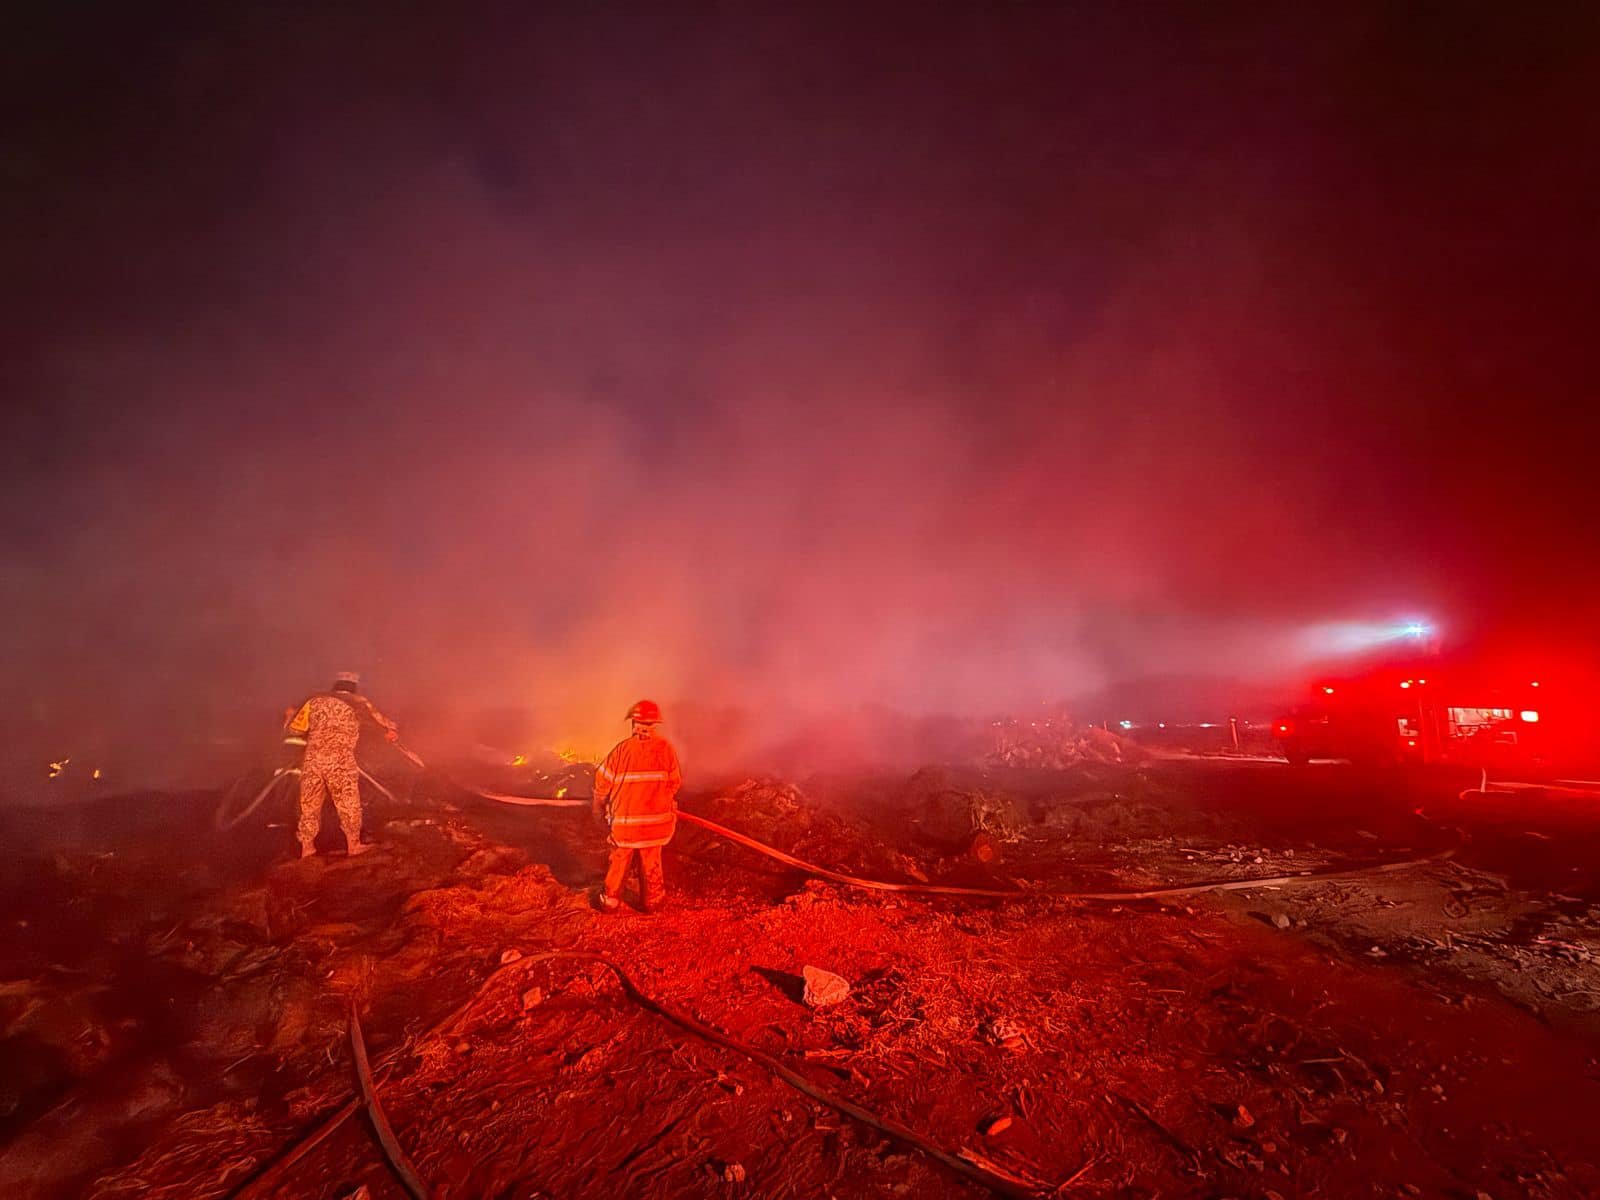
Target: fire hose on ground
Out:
[398,1162]
[930,889]
[968,1164]
[1224,885]
[938,889]
[987,1174]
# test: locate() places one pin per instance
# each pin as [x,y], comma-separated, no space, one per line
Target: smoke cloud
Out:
[773,365]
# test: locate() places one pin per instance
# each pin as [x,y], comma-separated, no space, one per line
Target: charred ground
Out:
[1426,1031]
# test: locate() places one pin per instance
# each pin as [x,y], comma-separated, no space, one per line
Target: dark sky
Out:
[944,356]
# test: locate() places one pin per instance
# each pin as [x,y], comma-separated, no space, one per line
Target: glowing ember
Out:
[519,760]
[95,774]
[560,792]
[57,767]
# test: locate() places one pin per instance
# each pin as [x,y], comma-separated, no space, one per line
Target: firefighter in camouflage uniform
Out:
[330,723]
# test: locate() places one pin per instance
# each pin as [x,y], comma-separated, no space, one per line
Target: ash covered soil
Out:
[175,1002]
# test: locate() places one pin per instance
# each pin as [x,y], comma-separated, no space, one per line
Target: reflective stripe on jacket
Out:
[635,788]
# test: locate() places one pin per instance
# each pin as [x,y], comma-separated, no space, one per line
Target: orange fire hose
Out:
[530,801]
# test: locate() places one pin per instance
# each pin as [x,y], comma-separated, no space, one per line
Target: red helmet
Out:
[646,712]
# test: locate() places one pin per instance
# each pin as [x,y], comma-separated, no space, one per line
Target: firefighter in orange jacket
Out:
[635,793]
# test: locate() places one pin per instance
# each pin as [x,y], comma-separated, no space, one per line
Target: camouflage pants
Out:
[338,778]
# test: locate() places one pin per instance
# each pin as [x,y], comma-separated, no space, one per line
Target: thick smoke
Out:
[780,369]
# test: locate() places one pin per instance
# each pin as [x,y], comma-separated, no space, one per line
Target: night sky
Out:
[948,357]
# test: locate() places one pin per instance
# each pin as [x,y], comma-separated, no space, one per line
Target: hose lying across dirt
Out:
[996,1183]
[275,1173]
[969,1167]
[529,801]
[931,889]
[1188,889]
[398,1161]
[939,889]
[271,1175]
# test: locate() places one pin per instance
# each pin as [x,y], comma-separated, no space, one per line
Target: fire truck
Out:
[1422,715]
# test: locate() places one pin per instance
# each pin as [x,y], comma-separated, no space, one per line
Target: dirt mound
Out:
[767,809]
[480,911]
[1100,816]
[243,991]
[779,814]
[1059,743]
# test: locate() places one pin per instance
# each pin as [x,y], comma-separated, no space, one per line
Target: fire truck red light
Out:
[1405,683]
[1327,691]
[1530,716]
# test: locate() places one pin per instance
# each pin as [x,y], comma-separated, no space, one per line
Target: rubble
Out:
[779,814]
[1003,1032]
[944,814]
[1056,741]
[772,810]
[1236,1052]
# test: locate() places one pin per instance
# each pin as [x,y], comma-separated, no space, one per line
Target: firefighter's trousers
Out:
[340,779]
[652,883]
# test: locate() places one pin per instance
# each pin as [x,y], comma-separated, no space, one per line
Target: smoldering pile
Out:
[1059,742]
